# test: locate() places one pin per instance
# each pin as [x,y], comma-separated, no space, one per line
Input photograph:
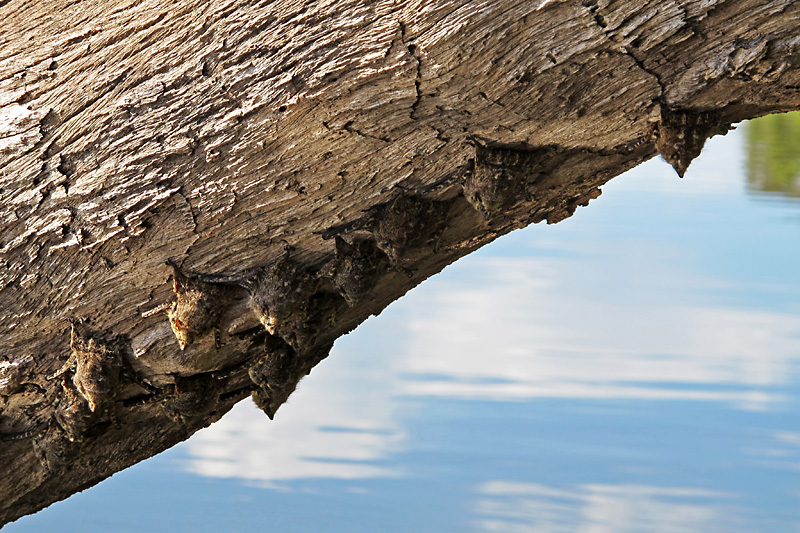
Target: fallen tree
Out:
[294,167]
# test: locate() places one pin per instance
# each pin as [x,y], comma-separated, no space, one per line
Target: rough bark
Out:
[376,141]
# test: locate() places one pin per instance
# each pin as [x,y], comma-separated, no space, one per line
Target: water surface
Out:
[633,368]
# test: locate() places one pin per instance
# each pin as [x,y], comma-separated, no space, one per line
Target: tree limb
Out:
[303,165]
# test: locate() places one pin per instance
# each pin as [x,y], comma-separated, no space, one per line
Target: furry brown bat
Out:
[357,267]
[682,135]
[280,292]
[407,222]
[96,365]
[278,372]
[500,178]
[196,309]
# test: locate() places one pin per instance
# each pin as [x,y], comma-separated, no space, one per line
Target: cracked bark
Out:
[219,132]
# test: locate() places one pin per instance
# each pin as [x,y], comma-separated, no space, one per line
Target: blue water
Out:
[633,368]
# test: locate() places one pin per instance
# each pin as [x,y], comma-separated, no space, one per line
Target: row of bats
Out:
[293,303]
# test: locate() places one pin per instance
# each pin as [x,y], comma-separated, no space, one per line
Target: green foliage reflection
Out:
[773,154]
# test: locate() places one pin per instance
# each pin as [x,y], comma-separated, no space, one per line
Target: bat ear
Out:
[73,336]
[342,246]
[177,276]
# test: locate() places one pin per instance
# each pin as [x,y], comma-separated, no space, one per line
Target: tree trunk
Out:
[302,165]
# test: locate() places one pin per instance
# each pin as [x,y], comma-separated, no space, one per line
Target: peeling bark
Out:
[304,164]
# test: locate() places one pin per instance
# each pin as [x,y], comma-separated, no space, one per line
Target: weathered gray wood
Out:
[218,132]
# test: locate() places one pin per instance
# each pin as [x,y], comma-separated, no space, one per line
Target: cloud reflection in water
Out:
[526,331]
[510,507]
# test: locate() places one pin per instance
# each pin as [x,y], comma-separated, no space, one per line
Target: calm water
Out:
[633,368]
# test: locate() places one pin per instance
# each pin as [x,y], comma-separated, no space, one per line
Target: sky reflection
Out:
[487,342]
[524,507]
